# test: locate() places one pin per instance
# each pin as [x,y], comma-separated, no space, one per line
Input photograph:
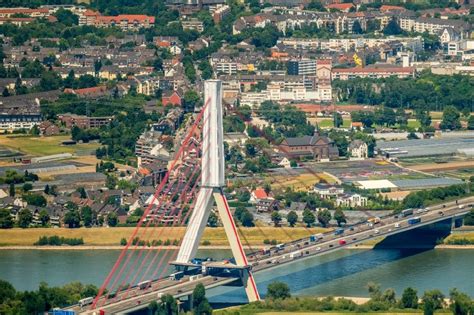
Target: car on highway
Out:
[441,213]
[342,242]
[397,225]
[318,249]
[376,231]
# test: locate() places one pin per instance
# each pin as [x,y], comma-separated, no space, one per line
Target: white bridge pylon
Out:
[212,183]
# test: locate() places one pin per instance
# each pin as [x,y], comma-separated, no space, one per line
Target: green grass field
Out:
[328,123]
[40,146]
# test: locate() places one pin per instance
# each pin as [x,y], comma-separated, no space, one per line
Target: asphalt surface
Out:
[135,298]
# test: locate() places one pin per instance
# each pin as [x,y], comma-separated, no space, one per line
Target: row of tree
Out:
[424,92]
[278,298]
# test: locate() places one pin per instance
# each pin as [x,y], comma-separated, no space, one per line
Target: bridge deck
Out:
[134,298]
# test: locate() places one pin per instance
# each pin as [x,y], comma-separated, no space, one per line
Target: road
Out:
[135,298]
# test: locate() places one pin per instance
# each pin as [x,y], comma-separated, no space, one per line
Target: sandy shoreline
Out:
[171,247]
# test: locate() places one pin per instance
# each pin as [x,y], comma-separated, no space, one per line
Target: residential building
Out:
[219,13]
[267,205]
[358,149]
[315,146]
[12,122]
[150,148]
[301,67]
[193,24]
[171,98]
[433,25]
[327,191]
[351,201]
[85,122]
[373,72]
[259,194]
[124,21]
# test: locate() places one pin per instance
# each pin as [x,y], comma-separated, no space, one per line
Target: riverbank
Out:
[111,237]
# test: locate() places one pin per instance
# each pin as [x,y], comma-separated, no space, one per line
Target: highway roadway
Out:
[135,298]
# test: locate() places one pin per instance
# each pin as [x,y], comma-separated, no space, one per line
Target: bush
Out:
[123,241]
[206,243]
[167,242]
[58,241]
[266,241]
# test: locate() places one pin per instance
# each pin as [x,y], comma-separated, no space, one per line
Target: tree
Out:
[461,303]
[72,219]
[5,92]
[451,118]
[338,121]
[43,216]
[111,181]
[213,220]
[409,298]
[308,217]
[392,28]
[292,218]
[82,192]
[432,300]
[276,218]
[12,190]
[35,200]
[201,305]
[25,217]
[190,100]
[278,290]
[340,217]
[112,219]
[7,292]
[6,220]
[470,123]
[87,216]
[324,216]
[247,219]
[206,69]
[66,17]
[27,187]
[50,80]
[357,28]
[167,305]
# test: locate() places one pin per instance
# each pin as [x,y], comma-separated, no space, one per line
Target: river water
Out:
[343,273]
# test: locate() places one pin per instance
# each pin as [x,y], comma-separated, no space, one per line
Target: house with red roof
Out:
[171,98]
[391,8]
[343,7]
[259,194]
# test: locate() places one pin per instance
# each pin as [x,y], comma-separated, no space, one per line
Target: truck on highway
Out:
[414,220]
[373,220]
[176,276]
[86,301]
[296,254]
[144,284]
[407,212]
[316,237]
[339,231]
[194,278]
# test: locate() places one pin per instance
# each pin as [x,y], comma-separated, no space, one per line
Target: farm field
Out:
[112,236]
